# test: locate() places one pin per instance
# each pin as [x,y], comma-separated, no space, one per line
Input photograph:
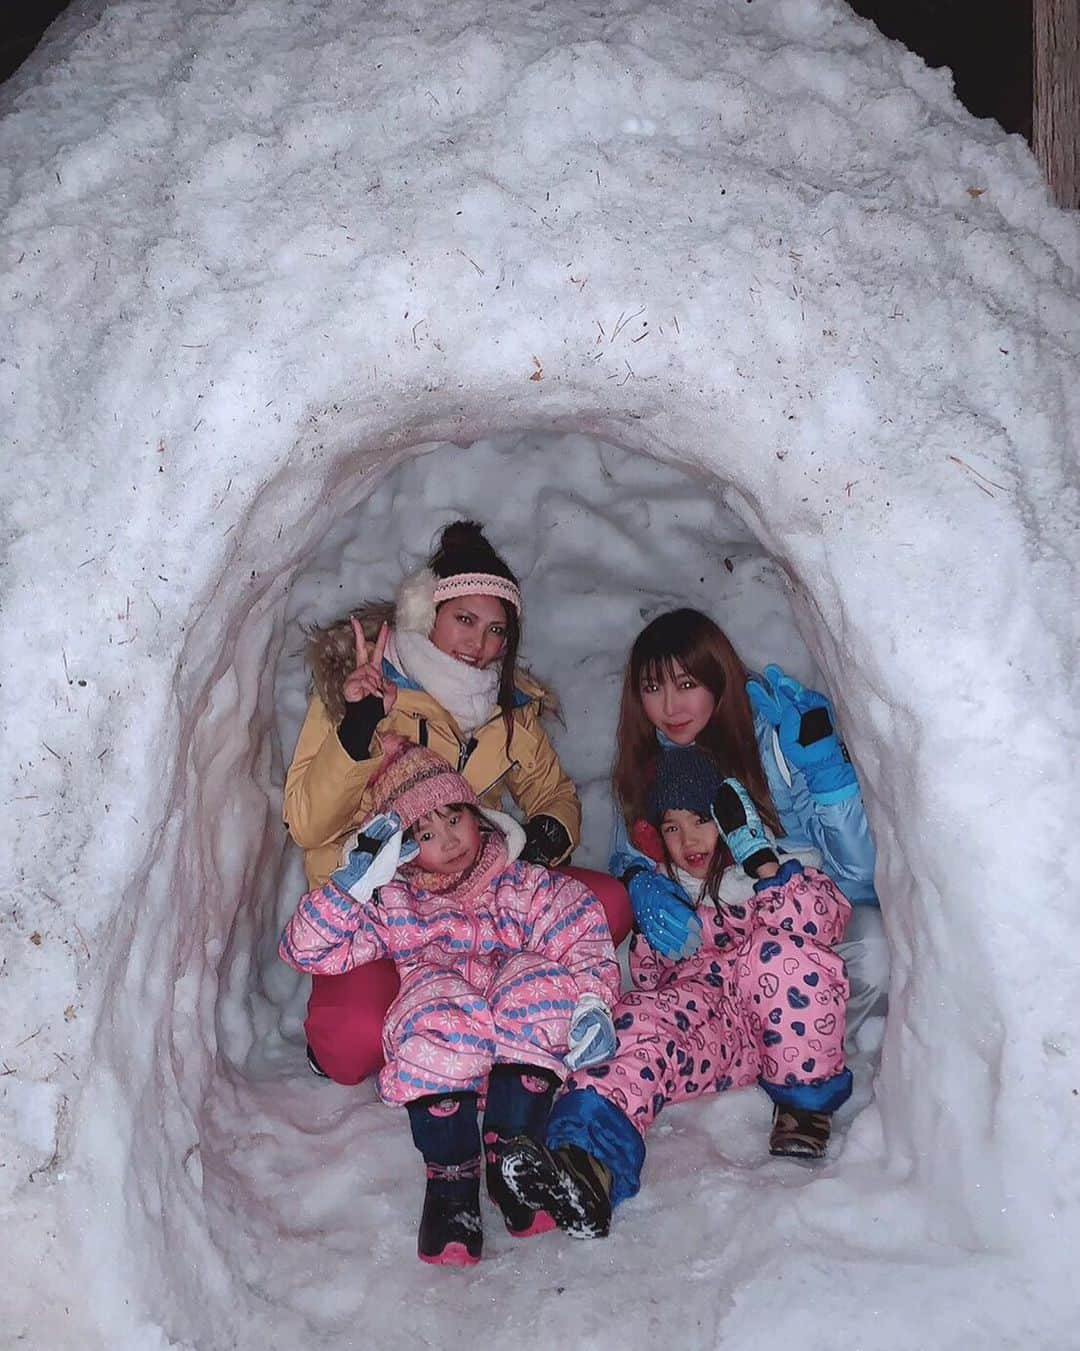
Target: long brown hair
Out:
[703,650]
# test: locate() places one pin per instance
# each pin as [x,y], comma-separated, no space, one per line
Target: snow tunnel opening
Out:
[560,507]
[603,539]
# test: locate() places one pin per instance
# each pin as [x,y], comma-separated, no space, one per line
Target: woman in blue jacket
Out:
[685,685]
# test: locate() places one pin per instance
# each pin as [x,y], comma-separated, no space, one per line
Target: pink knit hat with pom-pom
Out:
[414,781]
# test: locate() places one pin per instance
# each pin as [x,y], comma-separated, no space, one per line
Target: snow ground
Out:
[255,257]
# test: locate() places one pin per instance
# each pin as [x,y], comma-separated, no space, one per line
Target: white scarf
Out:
[468,694]
[735,887]
[693,886]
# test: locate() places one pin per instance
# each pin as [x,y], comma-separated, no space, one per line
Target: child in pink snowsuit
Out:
[761,1000]
[507,975]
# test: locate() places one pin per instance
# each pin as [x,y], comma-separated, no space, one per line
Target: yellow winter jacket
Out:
[327,793]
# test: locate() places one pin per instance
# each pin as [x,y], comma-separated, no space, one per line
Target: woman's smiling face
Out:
[471,629]
[676,704]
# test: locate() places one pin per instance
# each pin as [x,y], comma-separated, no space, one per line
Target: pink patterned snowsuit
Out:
[762,998]
[489,972]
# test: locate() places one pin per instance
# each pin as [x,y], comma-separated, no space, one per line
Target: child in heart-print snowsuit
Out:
[760,1000]
[505,968]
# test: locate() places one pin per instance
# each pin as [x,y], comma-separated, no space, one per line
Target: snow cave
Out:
[728,305]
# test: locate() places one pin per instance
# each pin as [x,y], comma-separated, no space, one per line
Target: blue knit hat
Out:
[687,779]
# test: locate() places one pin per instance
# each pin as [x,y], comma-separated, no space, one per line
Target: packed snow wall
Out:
[254,256]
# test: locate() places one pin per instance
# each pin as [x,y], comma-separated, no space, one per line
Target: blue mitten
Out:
[592,1033]
[741,826]
[806,727]
[370,843]
[664,914]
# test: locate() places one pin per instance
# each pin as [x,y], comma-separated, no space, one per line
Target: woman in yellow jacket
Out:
[439,667]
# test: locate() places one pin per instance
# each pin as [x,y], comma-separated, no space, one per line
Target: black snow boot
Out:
[446,1132]
[567,1183]
[451,1231]
[519,1098]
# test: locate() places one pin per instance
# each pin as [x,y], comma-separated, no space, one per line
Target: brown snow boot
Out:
[798,1134]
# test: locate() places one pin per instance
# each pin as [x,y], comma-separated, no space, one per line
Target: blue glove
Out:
[806,726]
[741,826]
[664,914]
[592,1033]
[369,842]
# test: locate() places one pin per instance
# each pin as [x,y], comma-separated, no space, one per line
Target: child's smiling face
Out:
[690,841]
[449,838]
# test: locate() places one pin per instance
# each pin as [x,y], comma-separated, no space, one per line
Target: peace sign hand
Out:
[367,677]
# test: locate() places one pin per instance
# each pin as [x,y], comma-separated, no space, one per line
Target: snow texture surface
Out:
[259,259]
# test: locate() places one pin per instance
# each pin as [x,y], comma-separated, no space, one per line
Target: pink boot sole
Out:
[453,1255]
[542,1224]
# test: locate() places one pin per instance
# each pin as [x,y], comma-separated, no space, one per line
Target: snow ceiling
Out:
[254,255]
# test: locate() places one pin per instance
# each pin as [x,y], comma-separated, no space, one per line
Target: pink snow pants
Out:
[344,1024]
[767,1003]
[444,1031]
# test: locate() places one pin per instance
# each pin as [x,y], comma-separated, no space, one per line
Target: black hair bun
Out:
[463,547]
[462,535]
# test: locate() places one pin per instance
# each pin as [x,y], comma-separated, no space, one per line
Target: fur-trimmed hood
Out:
[331,652]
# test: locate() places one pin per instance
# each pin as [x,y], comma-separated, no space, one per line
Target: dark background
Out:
[21,24]
[986,43]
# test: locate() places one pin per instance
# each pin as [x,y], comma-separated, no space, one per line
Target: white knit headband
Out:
[477,584]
